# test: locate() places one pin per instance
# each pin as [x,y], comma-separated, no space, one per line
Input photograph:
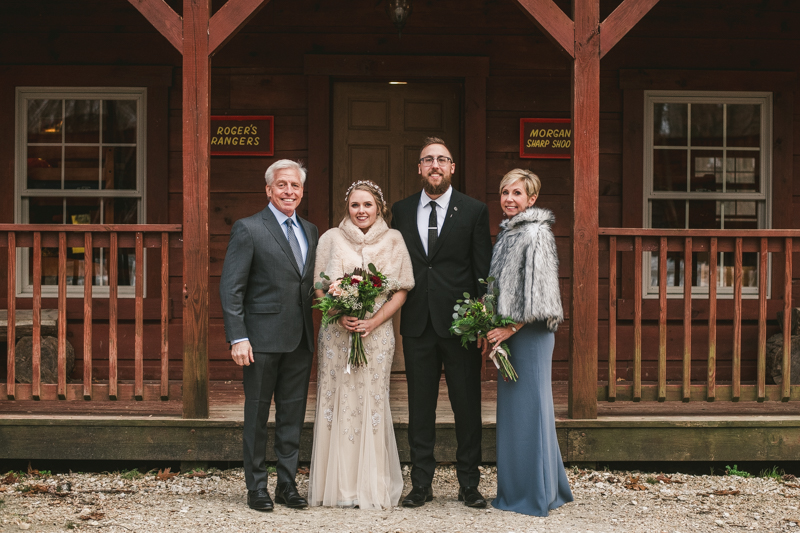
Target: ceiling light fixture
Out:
[399,11]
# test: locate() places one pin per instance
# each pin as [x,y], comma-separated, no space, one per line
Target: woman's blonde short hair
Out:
[530,181]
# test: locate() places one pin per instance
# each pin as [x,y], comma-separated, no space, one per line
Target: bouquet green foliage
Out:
[353,294]
[475,317]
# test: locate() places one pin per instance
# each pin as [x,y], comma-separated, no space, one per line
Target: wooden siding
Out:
[261,71]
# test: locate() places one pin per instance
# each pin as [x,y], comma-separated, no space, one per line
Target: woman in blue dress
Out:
[530,474]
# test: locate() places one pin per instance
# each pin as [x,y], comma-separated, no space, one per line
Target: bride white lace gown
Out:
[354,459]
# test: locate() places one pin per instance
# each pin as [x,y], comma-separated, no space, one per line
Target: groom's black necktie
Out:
[433,228]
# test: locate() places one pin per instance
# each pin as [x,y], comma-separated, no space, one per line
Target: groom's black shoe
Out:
[259,500]
[286,493]
[418,496]
[471,497]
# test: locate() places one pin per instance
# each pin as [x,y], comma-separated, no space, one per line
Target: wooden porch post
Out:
[197,37]
[585,223]
[586,40]
[196,161]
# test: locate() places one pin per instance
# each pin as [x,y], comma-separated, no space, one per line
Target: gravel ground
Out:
[215,501]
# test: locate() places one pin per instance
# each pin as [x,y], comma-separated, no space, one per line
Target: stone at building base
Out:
[795,321]
[49,360]
[775,359]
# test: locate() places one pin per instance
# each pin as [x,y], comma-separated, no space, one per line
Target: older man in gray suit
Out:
[266,292]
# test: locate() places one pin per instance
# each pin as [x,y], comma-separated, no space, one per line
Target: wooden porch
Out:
[656,389]
[650,377]
[623,431]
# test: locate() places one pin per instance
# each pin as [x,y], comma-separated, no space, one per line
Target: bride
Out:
[354,461]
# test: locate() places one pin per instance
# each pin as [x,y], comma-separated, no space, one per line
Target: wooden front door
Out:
[378,130]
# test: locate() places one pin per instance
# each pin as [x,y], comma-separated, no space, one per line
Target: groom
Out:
[266,300]
[447,236]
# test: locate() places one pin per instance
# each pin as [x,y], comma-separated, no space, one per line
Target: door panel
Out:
[378,130]
[368,114]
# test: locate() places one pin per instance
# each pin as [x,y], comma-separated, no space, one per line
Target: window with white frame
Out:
[80,160]
[707,166]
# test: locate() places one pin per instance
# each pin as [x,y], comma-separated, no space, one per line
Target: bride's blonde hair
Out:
[375,191]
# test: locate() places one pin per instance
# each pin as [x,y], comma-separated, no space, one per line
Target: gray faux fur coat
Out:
[525,268]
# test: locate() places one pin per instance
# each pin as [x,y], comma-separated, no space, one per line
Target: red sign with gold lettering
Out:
[545,138]
[251,136]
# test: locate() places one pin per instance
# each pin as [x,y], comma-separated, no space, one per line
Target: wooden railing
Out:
[620,242]
[15,237]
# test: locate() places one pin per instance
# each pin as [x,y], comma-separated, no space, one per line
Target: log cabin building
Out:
[674,189]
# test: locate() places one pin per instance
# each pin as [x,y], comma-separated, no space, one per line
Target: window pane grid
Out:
[720,172]
[112,155]
[80,163]
[713,181]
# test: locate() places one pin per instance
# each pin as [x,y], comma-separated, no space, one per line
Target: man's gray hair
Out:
[284,164]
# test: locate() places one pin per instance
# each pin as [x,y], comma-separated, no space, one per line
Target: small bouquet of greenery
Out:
[475,317]
[353,294]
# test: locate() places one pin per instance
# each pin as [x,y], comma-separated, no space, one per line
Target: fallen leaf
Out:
[795,520]
[632,483]
[792,485]
[725,492]
[32,472]
[165,474]
[10,479]
[612,479]
[195,474]
[666,479]
[95,515]
[39,488]
[788,477]
[303,471]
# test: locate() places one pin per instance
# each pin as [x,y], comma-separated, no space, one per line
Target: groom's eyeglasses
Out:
[428,161]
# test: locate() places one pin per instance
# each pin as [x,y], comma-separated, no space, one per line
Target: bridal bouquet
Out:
[474,318]
[353,294]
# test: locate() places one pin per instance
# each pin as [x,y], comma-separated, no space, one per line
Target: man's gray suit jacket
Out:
[264,295]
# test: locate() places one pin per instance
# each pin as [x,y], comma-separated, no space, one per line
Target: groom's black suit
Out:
[460,257]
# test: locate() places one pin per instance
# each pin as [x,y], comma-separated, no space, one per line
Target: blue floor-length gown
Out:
[530,473]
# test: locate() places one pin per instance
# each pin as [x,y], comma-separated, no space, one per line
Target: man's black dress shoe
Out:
[471,497]
[418,496]
[259,500]
[286,493]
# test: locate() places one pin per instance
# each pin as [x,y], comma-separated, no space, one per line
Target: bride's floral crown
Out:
[365,182]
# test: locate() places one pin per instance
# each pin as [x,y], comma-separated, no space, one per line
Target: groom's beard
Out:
[436,190]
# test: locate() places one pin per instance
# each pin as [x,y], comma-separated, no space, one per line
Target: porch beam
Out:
[229,19]
[553,22]
[620,22]
[585,170]
[196,161]
[163,18]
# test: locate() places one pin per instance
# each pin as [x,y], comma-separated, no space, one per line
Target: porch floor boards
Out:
[623,432]
[226,400]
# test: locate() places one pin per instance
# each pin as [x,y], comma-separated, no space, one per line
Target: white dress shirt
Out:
[424,213]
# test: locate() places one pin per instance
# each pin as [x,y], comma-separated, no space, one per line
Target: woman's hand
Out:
[364,326]
[348,322]
[484,346]
[499,335]
[367,326]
